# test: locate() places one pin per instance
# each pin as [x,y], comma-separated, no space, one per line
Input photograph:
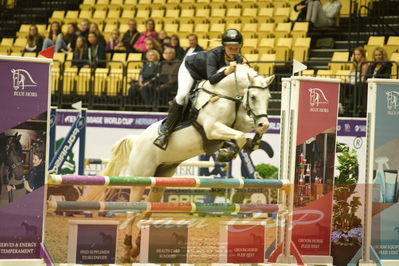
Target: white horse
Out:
[228,109]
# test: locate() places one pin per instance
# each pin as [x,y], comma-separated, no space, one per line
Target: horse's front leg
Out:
[221,131]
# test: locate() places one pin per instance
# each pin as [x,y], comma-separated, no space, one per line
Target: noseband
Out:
[247,106]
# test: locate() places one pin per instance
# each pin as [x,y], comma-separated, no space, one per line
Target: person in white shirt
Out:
[193,46]
[323,16]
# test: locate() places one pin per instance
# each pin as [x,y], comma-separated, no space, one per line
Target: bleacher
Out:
[271,42]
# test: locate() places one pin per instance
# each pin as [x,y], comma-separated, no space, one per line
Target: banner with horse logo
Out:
[24,101]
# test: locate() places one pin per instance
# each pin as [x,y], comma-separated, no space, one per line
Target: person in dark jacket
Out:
[168,75]
[301,8]
[175,44]
[379,69]
[96,51]
[193,46]
[131,36]
[35,178]
[35,40]
[81,54]
[198,66]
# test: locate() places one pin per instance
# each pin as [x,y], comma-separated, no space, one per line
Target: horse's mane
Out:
[242,77]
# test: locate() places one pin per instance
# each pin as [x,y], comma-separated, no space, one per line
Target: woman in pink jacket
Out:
[148,33]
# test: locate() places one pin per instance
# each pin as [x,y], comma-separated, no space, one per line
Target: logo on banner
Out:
[22,80]
[317,98]
[392,102]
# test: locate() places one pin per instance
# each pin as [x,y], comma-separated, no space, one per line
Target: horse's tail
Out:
[117,163]
[119,157]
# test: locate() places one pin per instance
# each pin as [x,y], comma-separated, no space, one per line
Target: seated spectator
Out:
[167,79]
[96,51]
[94,28]
[54,37]
[131,36]
[151,44]
[68,42]
[84,28]
[175,44]
[163,38]
[35,40]
[114,43]
[81,54]
[147,34]
[193,46]
[301,8]
[147,77]
[379,69]
[323,16]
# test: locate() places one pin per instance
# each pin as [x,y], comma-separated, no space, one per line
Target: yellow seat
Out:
[392,45]
[100,81]
[185,29]
[58,59]
[102,4]
[19,42]
[7,42]
[113,16]
[85,14]
[266,29]
[132,74]
[115,5]
[71,16]
[203,13]
[171,15]
[343,75]
[394,57]
[203,43]
[267,67]
[307,73]
[142,15]
[217,14]
[236,26]
[300,30]
[83,81]
[126,15]
[265,14]
[281,14]
[29,54]
[249,30]
[118,61]
[55,79]
[232,15]
[69,79]
[87,4]
[339,56]
[114,82]
[171,28]
[216,30]
[186,15]
[283,49]
[157,13]
[301,48]
[266,45]
[123,28]
[201,28]
[282,30]
[251,57]
[249,45]
[58,15]
[249,14]
[322,73]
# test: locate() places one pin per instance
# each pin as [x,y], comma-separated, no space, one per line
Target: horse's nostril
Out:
[260,125]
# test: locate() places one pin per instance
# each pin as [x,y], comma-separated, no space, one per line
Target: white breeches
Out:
[185,82]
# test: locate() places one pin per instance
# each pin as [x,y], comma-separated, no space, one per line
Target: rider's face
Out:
[232,50]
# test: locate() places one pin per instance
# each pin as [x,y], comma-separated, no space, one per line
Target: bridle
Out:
[247,105]
[11,164]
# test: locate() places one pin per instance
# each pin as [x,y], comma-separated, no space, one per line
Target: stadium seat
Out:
[29,54]
[232,14]
[249,14]
[118,61]
[251,57]
[85,14]
[301,48]
[87,4]
[216,30]
[59,59]
[57,16]
[201,29]
[267,68]
[236,26]
[126,15]
[323,73]
[217,14]
[249,30]
[171,28]
[115,5]
[249,46]
[395,57]
[339,56]
[203,43]
[55,78]
[142,15]
[69,79]
[392,45]
[373,42]
[282,30]
[102,4]
[266,29]
[7,42]
[307,73]
[343,75]
[265,14]
[171,15]
[202,13]
[71,16]
[83,81]
[114,82]
[19,43]
[185,29]
[266,45]
[157,13]
[113,16]
[283,49]
[100,81]
[281,14]
[300,30]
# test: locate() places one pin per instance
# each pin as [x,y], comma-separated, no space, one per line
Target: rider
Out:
[199,66]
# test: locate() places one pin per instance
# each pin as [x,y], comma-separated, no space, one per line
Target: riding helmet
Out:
[232,36]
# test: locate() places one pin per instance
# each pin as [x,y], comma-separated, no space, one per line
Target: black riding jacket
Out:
[205,64]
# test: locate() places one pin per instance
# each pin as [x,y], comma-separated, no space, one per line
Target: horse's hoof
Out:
[161,141]
[225,155]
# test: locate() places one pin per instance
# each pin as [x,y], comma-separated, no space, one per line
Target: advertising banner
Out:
[385,168]
[24,101]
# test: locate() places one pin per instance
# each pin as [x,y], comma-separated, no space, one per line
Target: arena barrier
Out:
[165,181]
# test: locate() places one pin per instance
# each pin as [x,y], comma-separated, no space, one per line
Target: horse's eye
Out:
[253,98]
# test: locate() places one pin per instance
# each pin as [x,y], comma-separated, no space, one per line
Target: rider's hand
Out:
[231,68]
[10,187]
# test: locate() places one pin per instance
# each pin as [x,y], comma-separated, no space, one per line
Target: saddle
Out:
[189,117]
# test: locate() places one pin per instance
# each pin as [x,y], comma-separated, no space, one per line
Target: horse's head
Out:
[15,156]
[256,100]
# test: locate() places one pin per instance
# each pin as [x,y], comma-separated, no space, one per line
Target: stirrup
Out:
[162,141]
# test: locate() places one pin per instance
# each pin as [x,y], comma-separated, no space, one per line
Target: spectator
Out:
[301,8]
[96,51]
[68,42]
[146,83]
[379,69]
[114,42]
[94,28]
[131,36]
[54,37]
[84,28]
[163,38]
[151,44]
[359,69]
[35,40]
[323,16]
[147,34]
[168,75]
[193,46]
[35,178]
[175,43]
[81,54]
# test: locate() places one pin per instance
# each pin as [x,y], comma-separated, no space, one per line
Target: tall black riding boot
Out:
[169,125]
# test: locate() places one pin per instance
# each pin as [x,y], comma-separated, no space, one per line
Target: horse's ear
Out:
[19,137]
[270,79]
